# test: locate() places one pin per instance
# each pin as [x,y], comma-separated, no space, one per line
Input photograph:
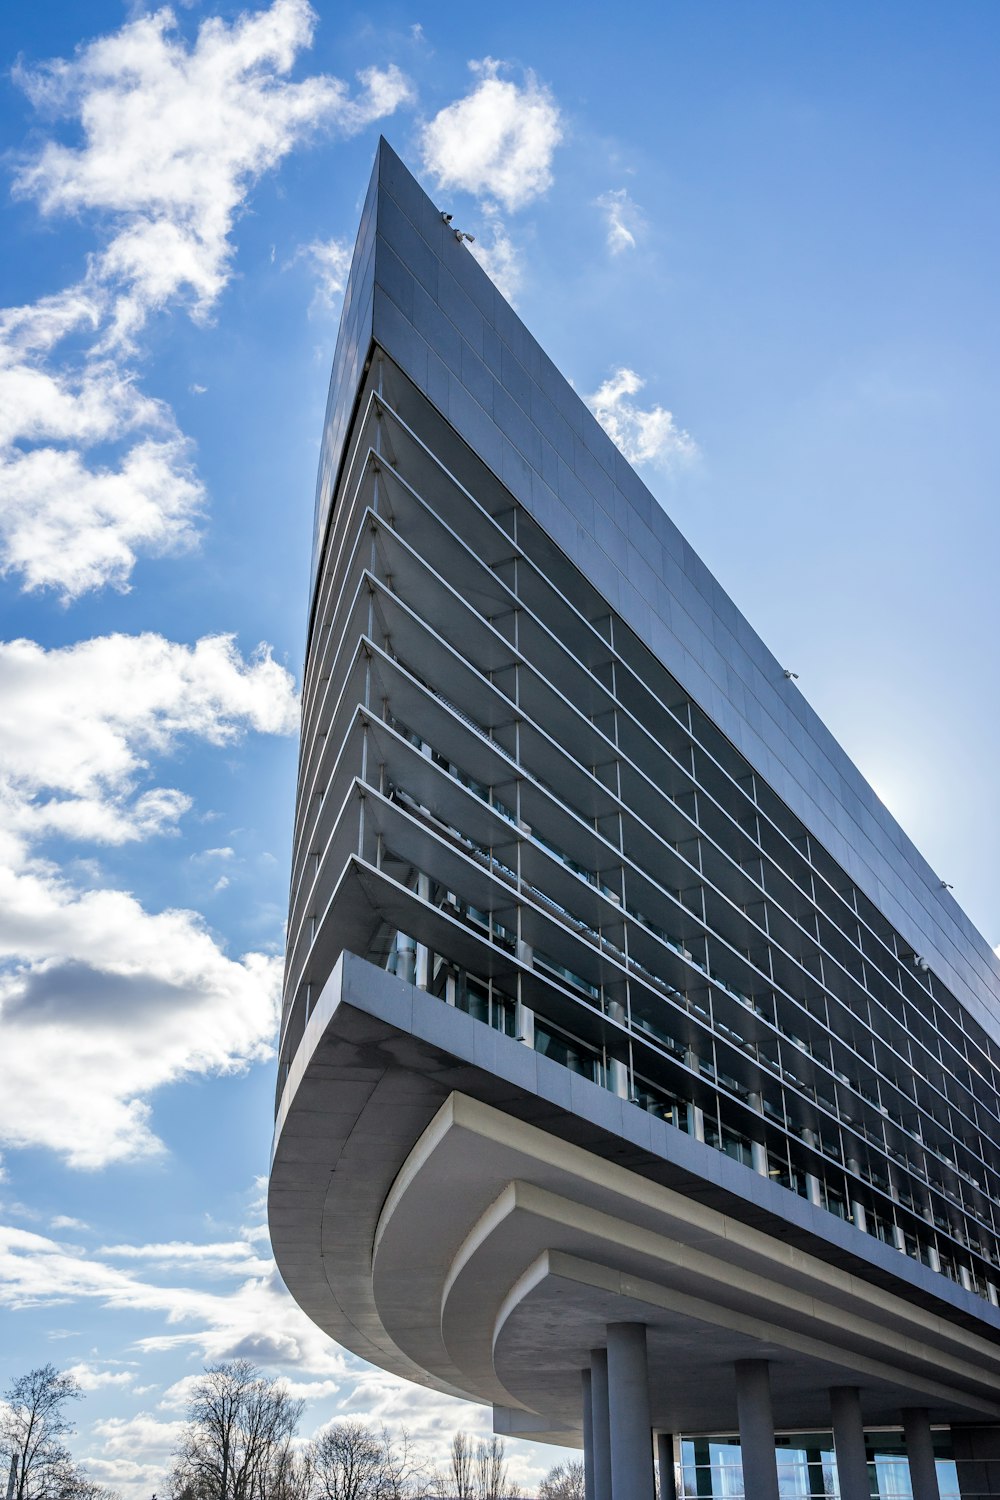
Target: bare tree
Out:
[405,1477]
[564,1482]
[492,1478]
[462,1466]
[351,1461]
[291,1474]
[237,1445]
[33,1426]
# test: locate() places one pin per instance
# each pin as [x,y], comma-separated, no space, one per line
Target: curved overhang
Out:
[470,1215]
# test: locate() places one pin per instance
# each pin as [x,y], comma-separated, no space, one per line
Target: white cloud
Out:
[330,261]
[498,141]
[145,498]
[257,1319]
[499,257]
[102,1002]
[147,503]
[90,1377]
[134,1453]
[622,218]
[228,1258]
[91,404]
[82,721]
[66,1221]
[644,436]
[135,1460]
[173,137]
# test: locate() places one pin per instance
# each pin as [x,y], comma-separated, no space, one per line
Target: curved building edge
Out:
[462,1212]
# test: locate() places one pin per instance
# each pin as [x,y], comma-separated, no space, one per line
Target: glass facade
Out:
[710,1467]
[506,799]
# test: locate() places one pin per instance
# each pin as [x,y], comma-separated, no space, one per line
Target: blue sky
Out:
[761,240]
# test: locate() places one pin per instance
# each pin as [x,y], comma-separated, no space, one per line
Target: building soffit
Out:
[395,1201]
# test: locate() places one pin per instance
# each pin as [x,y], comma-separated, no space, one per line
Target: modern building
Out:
[638,1077]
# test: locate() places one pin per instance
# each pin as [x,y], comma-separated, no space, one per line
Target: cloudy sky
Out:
[761,240]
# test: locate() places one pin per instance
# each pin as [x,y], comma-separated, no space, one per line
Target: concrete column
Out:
[695,1115]
[618,1077]
[857,1209]
[599,1419]
[920,1453]
[758,1152]
[756,1421]
[849,1442]
[628,1409]
[696,1122]
[588,1436]
[422,964]
[665,1465]
[406,958]
[814,1191]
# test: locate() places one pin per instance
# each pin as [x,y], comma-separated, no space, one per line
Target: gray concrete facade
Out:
[428,303]
[637,1076]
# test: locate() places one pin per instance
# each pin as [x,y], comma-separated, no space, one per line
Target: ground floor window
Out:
[807,1467]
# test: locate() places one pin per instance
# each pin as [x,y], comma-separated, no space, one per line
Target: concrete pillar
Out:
[600,1423]
[849,1442]
[814,1191]
[588,1436]
[628,1409]
[696,1122]
[618,1077]
[758,1152]
[665,1465]
[920,1453]
[422,956]
[406,958]
[695,1115]
[756,1421]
